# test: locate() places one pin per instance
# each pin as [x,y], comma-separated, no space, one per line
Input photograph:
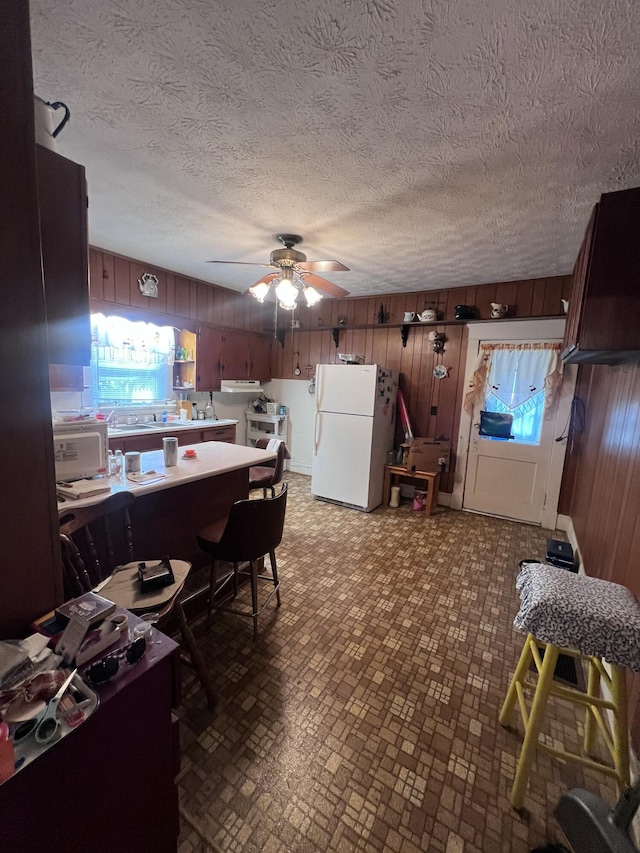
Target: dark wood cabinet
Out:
[208,358]
[62,201]
[235,355]
[66,377]
[605,299]
[230,354]
[260,357]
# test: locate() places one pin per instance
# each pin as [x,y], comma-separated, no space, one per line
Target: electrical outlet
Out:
[434,410]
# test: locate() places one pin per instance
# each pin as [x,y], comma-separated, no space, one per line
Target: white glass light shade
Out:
[288,306]
[259,290]
[312,296]
[286,292]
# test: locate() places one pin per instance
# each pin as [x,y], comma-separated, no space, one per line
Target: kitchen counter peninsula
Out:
[169,511]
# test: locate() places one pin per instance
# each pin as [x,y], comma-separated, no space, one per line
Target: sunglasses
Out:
[106,668]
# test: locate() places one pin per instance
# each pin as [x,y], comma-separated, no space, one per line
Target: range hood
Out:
[243,386]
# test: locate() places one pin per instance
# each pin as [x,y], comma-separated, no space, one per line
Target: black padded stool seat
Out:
[268,476]
[252,529]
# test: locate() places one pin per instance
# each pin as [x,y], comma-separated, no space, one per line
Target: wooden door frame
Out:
[517,330]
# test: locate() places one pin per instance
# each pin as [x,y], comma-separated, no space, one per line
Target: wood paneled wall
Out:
[601,484]
[434,404]
[183,301]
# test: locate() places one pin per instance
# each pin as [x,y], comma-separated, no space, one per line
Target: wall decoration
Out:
[148,284]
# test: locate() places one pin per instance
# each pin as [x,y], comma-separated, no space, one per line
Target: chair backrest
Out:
[253,529]
[94,540]
[277,464]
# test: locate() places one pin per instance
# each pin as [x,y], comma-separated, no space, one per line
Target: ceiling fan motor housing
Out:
[286,258]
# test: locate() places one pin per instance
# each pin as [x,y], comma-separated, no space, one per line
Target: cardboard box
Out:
[427,454]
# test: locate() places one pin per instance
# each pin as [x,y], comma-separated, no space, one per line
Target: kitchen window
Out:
[131,362]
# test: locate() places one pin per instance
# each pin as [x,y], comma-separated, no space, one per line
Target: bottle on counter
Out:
[118,463]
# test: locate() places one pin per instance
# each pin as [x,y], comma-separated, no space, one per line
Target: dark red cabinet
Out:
[602,325]
[62,202]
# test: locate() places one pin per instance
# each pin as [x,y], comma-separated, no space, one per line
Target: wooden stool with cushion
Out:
[97,551]
[252,529]
[591,620]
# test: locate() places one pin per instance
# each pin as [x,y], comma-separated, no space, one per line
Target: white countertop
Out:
[213,457]
[169,427]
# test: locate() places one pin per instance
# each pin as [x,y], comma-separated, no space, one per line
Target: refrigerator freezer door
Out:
[347,388]
[342,460]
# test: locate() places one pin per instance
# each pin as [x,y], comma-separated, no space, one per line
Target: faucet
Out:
[132,419]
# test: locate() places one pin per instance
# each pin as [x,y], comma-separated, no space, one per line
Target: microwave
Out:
[80,449]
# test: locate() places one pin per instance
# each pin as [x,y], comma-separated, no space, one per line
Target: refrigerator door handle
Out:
[315,433]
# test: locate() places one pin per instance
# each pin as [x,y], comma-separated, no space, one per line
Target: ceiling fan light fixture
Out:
[312,296]
[287,292]
[259,290]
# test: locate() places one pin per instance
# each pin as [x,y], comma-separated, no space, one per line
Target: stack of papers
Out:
[145,477]
[83,488]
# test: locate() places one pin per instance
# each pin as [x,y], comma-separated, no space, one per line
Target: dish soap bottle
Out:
[208,409]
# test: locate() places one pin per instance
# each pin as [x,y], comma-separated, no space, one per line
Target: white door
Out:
[341,463]
[509,477]
[346,388]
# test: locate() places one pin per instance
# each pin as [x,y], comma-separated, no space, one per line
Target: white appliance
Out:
[354,430]
[80,449]
[242,386]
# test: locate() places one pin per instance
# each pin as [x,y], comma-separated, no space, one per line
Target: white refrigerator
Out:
[354,430]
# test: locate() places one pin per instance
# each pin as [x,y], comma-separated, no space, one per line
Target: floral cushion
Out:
[594,616]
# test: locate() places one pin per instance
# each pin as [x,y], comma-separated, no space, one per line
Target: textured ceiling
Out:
[423,143]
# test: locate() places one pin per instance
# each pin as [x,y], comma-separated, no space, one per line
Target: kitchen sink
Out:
[152,425]
[133,427]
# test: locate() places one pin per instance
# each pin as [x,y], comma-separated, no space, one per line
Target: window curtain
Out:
[119,339]
[516,377]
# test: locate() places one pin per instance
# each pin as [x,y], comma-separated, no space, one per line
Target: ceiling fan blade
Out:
[266,278]
[323,266]
[322,284]
[240,263]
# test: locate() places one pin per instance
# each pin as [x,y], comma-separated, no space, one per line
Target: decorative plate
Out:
[440,371]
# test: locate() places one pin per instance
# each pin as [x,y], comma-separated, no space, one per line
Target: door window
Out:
[519,380]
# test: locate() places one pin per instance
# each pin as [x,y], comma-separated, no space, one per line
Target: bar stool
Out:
[591,620]
[252,529]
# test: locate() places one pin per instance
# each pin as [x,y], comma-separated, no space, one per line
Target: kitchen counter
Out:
[169,427]
[168,513]
[213,458]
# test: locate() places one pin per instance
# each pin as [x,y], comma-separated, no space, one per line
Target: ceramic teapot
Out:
[428,316]
[498,310]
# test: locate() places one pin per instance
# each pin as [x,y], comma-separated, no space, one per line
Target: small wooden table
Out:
[431,478]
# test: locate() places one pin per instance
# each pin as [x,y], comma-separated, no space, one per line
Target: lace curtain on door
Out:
[515,378]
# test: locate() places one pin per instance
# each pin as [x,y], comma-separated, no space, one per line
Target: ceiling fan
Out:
[294,273]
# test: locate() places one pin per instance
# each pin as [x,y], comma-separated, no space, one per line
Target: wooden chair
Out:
[252,529]
[267,476]
[97,545]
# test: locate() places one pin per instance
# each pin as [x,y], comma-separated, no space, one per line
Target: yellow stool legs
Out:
[615,738]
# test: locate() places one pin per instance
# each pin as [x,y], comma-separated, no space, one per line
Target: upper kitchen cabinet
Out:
[208,358]
[184,365]
[605,299]
[230,354]
[235,355]
[260,357]
[62,200]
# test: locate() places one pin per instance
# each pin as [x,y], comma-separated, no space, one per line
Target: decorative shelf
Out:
[404,327]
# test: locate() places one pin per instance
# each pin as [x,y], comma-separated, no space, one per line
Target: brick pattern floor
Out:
[365,717]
